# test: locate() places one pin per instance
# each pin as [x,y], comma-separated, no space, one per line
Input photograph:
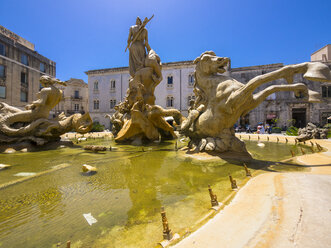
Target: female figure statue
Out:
[138,38]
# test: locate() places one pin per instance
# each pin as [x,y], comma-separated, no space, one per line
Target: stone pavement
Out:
[275,210]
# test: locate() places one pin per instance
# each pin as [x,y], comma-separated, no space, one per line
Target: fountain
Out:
[48,196]
[221,100]
[33,124]
[311,131]
[137,118]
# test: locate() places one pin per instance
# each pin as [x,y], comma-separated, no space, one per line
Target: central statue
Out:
[137,118]
[137,42]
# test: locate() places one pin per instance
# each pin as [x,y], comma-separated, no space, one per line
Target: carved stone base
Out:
[219,145]
[222,157]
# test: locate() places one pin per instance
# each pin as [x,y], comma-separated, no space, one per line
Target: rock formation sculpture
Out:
[311,131]
[221,100]
[137,117]
[33,124]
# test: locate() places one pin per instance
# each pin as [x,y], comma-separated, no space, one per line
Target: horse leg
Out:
[259,97]
[286,72]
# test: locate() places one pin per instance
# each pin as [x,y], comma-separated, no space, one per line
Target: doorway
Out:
[299,115]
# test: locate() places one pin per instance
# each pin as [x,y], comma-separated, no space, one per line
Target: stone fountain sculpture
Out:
[34,124]
[221,100]
[311,131]
[137,118]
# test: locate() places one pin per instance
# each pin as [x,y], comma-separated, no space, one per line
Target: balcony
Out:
[76,98]
[71,112]
[24,85]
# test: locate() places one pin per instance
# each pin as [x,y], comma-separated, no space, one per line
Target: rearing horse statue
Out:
[221,100]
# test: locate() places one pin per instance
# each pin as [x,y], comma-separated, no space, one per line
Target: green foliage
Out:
[291,122]
[292,131]
[97,127]
[276,130]
[328,126]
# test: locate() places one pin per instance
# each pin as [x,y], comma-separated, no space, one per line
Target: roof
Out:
[258,67]
[25,49]
[6,32]
[126,68]
[320,49]
[76,81]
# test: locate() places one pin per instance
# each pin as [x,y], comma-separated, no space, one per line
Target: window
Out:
[76,106]
[112,103]
[96,104]
[76,94]
[112,85]
[326,91]
[170,82]
[96,86]
[2,71]
[24,79]
[24,59]
[191,80]
[24,96]
[2,49]
[189,99]
[2,91]
[170,101]
[42,67]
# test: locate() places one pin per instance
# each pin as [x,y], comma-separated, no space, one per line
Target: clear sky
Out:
[81,35]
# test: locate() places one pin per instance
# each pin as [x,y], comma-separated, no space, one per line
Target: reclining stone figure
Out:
[33,124]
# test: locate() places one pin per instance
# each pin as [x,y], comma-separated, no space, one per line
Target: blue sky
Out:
[81,35]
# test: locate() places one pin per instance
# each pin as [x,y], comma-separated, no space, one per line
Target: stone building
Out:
[285,106]
[322,55]
[75,97]
[107,87]
[20,69]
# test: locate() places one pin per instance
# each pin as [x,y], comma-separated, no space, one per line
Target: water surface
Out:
[125,196]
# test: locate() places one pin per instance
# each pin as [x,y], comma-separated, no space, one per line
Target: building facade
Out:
[75,97]
[322,55]
[284,107]
[20,69]
[107,87]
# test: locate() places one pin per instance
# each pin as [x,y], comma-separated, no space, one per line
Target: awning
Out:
[271,116]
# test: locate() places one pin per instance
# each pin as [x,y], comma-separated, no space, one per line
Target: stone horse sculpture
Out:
[33,124]
[221,100]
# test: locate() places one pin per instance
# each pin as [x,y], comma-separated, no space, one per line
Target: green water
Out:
[125,196]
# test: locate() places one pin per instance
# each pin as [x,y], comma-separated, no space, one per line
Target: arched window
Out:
[112,103]
[96,85]
[170,81]
[112,85]
[96,104]
[170,101]
[191,79]
[190,98]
